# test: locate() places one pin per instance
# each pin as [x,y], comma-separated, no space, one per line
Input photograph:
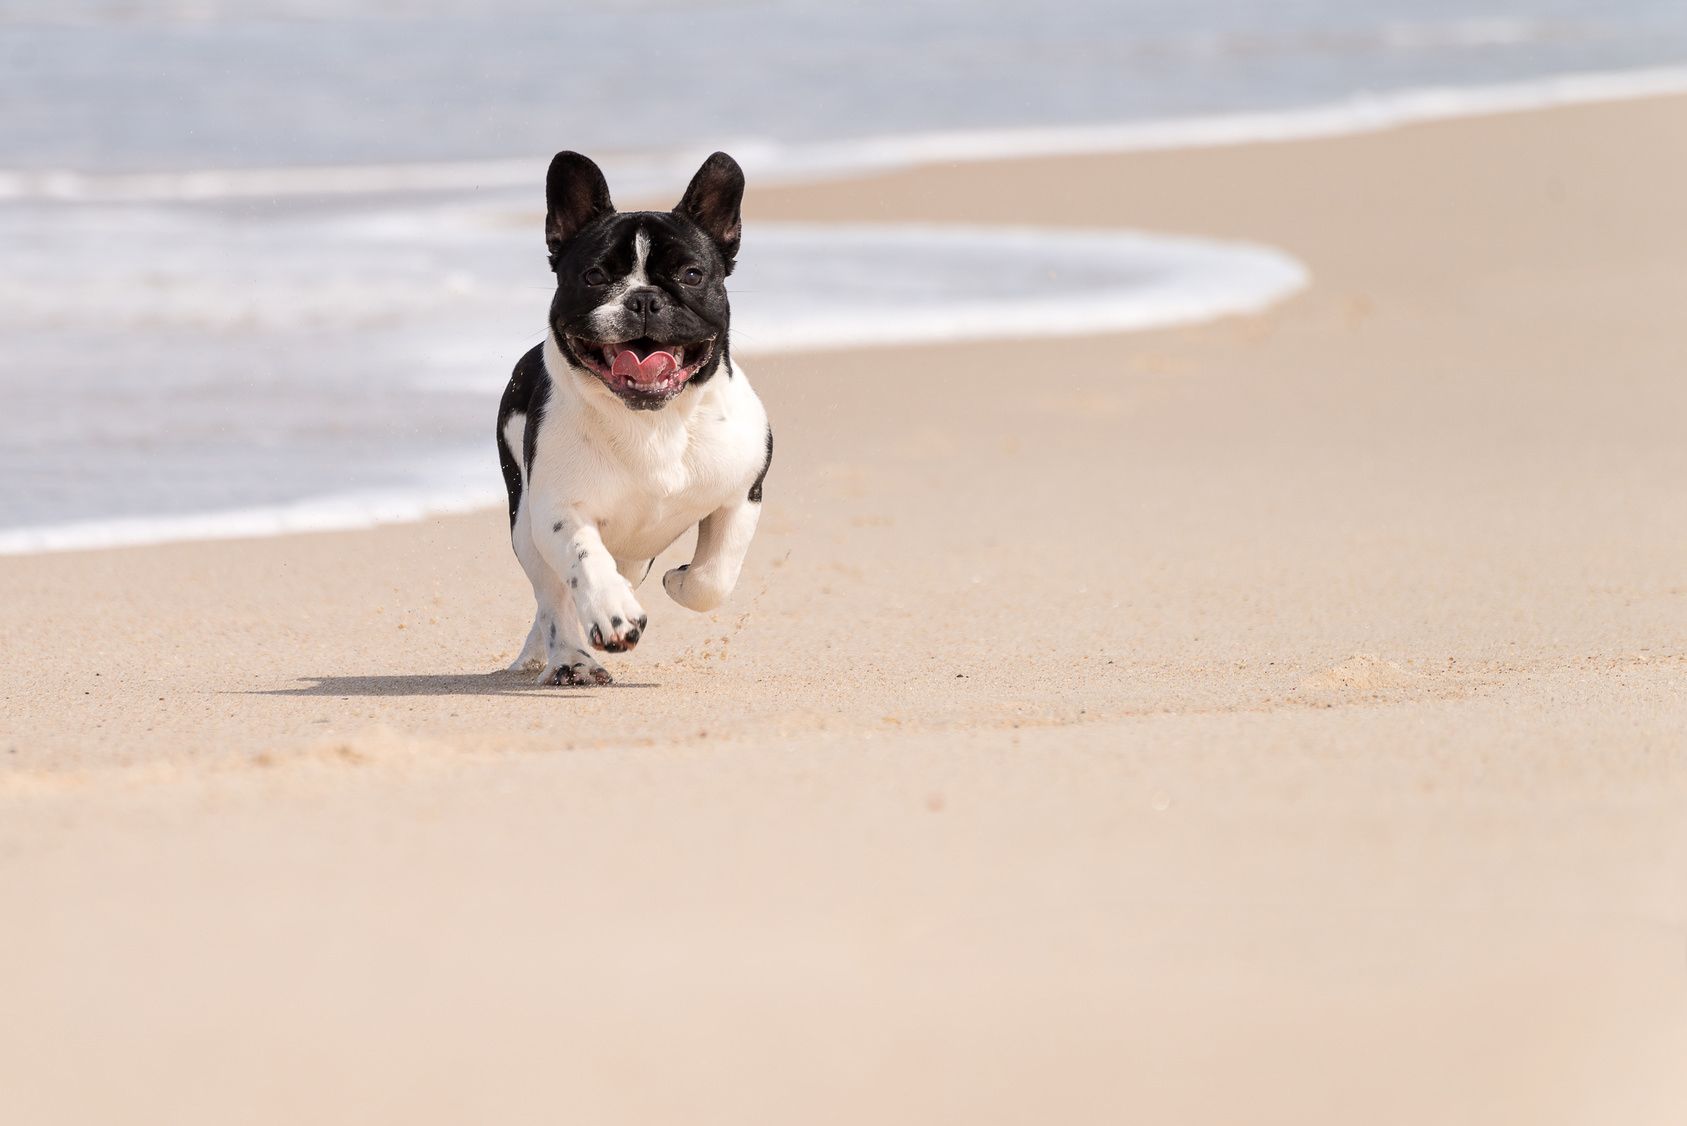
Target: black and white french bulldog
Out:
[630,423]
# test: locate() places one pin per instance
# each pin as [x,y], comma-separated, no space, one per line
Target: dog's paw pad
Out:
[576,673]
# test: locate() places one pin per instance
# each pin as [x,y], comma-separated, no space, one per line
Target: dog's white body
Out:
[607,489]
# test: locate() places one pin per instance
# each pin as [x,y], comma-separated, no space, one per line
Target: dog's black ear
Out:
[712,202]
[575,194]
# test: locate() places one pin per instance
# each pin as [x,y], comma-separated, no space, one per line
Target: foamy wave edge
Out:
[351,512]
[775,162]
[1198,280]
[769,162]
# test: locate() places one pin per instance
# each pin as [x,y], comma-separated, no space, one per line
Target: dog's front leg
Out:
[610,615]
[723,539]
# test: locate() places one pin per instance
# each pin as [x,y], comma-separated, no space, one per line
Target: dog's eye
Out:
[595,277]
[691,275]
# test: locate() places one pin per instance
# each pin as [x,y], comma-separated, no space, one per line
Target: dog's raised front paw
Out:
[691,590]
[614,620]
[580,669]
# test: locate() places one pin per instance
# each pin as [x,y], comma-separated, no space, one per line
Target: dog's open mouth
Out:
[643,372]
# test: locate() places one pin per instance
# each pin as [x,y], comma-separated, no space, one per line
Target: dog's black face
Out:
[641,295]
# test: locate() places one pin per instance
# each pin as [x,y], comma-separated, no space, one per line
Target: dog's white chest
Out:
[646,478]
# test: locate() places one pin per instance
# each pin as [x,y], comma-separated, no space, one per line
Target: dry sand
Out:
[1281,721]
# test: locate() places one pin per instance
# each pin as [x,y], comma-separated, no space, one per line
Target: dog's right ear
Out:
[575,194]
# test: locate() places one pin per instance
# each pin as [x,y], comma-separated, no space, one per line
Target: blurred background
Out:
[267,264]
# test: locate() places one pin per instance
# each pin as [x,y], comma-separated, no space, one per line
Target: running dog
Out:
[630,423]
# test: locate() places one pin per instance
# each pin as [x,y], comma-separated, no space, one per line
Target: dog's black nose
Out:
[645,301]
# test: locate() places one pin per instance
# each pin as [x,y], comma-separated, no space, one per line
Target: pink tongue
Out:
[654,367]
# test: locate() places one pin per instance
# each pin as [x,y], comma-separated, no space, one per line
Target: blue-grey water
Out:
[215,83]
[167,359]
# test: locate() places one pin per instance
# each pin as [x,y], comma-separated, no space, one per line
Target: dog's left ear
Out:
[712,203]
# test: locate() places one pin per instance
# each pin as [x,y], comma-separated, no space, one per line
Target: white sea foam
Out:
[333,512]
[425,328]
[770,162]
[990,283]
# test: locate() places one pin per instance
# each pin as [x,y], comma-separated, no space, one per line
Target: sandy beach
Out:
[1282,720]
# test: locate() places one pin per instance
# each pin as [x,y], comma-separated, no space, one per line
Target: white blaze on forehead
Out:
[641,253]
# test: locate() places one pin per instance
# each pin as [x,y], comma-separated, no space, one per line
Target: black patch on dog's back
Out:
[755,489]
[529,387]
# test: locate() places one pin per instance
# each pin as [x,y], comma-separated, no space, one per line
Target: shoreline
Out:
[1364,115]
[1133,282]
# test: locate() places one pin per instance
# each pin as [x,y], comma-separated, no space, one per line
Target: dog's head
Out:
[640,303]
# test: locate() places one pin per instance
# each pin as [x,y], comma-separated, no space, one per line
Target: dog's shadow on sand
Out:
[499,683]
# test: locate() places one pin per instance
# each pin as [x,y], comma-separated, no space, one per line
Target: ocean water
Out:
[266,265]
[107,84]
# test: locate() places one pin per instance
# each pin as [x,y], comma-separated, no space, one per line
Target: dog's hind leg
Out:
[532,654]
[533,650]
